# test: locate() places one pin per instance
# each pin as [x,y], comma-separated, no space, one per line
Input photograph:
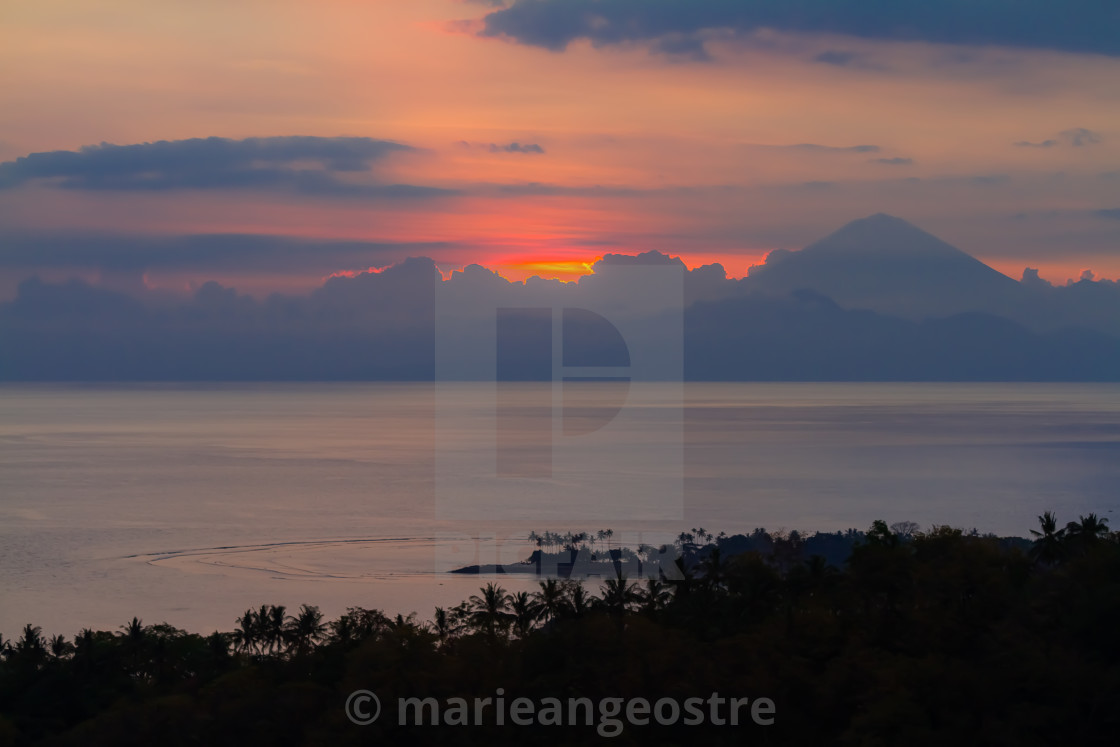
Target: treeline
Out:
[918,637]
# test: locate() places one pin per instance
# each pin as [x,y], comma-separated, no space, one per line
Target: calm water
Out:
[190,504]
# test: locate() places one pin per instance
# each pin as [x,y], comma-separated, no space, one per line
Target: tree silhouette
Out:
[30,649]
[907,631]
[273,623]
[618,595]
[714,567]
[59,647]
[218,645]
[490,612]
[654,596]
[133,632]
[341,631]
[368,623]
[304,630]
[442,625]
[525,612]
[247,636]
[1087,531]
[551,600]
[577,600]
[84,645]
[820,572]
[1049,546]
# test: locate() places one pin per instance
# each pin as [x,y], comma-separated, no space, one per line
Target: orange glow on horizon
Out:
[518,268]
[356,273]
[547,268]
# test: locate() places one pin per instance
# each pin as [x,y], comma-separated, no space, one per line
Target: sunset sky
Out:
[534,138]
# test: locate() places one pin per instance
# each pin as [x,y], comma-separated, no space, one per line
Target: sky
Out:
[270,145]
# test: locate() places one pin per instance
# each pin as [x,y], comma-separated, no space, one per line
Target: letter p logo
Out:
[560,401]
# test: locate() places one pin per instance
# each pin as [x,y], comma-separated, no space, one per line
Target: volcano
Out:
[885,264]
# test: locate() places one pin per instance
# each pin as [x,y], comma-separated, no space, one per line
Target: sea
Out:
[190,503]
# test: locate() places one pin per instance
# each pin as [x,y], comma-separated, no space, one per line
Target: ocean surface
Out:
[189,504]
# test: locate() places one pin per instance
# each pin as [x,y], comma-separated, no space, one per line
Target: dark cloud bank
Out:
[877,300]
[301,164]
[680,27]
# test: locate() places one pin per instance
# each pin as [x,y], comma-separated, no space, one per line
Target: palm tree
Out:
[218,645]
[403,625]
[442,625]
[305,629]
[1090,528]
[655,596]
[341,630]
[134,642]
[83,646]
[618,594]
[490,612]
[247,636]
[550,600]
[1086,532]
[1049,545]
[133,632]
[30,648]
[367,623]
[578,601]
[525,611]
[274,626]
[60,649]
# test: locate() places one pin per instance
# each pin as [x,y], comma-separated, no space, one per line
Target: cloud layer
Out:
[1085,26]
[381,326]
[307,165]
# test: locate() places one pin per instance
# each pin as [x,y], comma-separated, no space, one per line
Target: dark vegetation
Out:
[917,637]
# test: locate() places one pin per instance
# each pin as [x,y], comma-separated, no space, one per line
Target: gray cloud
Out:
[988,180]
[538,189]
[847,59]
[893,161]
[219,254]
[218,163]
[1031,279]
[1082,26]
[516,147]
[686,47]
[1079,136]
[816,148]
[1112,214]
[836,57]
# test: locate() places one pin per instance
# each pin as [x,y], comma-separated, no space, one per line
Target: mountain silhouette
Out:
[805,337]
[888,265]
